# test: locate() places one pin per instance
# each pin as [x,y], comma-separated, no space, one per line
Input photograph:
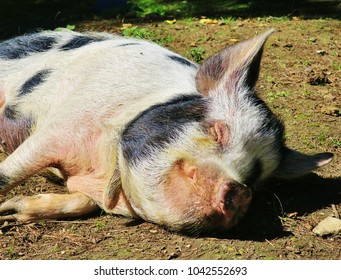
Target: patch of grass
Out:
[137,32]
[100,225]
[302,116]
[271,96]
[321,138]
[268,78]
[305,90]
[42,223]
[165,40]
[228,20]
[12,250]
[196,54]
[70,27]
[304,62]
[336,65]
[153,7]
[336,142]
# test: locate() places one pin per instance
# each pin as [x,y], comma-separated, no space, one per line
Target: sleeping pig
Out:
[138,130]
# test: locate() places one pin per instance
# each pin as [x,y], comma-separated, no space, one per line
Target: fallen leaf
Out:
[208,21]
[126,26]
[170,21]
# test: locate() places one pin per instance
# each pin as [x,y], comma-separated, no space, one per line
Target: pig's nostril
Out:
[233,195]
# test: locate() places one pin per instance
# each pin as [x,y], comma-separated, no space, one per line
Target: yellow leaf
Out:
[170,21]
[126,26]
[208,21]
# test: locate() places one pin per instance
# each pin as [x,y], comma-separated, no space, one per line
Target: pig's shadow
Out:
[279,198]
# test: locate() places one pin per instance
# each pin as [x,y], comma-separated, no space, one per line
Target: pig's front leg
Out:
[47,206]
[29,158]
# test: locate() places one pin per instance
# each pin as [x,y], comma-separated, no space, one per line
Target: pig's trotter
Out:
[46,206]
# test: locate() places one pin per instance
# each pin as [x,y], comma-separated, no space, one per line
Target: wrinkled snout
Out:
[232,202]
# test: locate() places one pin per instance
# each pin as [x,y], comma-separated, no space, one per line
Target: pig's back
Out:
[96,73]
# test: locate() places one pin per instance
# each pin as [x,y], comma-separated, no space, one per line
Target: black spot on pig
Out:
[80,41]
[160,125]
[33,82]
[182,61]
[23,46]
[127,44]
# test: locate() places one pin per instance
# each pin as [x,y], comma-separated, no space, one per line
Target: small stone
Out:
[328,226]
[321,52]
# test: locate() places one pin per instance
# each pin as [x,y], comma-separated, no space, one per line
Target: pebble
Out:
[321,52]
[328,226]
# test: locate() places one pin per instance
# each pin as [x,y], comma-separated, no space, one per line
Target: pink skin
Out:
[202,194]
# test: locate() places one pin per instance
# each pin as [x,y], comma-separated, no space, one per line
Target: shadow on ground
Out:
[299,197]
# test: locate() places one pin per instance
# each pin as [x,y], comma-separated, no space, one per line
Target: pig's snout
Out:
[233,201]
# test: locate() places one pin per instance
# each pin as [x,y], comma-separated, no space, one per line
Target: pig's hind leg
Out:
[46,206]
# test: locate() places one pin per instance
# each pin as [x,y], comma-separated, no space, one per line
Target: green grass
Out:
[12,250]
[153,7]
[336,142]
[271,96]
[137,32]
[100,225]
[196,54]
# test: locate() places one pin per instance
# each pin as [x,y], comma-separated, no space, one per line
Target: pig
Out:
[137,130]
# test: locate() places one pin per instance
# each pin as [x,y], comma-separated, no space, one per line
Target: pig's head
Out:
[191,163]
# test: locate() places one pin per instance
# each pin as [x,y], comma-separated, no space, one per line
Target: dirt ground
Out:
[300,80]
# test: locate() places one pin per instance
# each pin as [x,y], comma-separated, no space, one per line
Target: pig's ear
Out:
[236,65]
[295,164]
